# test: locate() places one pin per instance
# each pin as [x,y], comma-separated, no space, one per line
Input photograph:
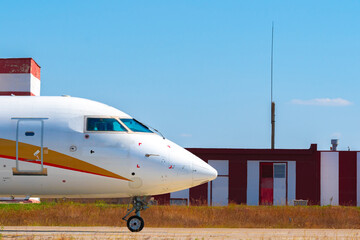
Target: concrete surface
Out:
[63,233]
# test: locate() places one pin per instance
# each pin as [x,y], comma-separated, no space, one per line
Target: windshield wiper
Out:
[158,132]
[149,127]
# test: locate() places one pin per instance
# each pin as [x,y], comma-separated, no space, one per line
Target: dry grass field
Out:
[233,216]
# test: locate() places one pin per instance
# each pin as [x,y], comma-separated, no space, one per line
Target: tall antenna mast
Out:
[272,102]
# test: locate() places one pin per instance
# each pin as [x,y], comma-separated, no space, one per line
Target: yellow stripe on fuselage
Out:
[52,158]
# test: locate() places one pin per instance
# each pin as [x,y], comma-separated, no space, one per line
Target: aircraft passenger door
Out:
[29,146]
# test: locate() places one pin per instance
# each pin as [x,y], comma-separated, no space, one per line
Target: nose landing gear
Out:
[136,223]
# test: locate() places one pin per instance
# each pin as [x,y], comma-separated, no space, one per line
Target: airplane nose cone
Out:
[203,172]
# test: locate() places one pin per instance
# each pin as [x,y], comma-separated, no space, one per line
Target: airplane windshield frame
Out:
[104,124]
[135,125]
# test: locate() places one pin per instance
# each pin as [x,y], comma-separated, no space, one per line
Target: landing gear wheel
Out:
[135,223]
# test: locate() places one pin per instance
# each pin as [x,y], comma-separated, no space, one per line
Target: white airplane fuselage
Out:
[47,150]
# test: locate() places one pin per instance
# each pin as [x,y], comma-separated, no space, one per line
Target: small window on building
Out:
[279,170]
[104,125]
[135,125]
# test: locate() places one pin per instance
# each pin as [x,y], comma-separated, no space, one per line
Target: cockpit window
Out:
[135,126]
[104,124]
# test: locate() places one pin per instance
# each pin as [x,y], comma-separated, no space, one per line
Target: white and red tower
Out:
[19,77]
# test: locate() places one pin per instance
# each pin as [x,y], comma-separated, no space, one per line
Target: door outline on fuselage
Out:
[17,170]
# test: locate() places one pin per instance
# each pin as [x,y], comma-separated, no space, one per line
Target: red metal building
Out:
[276,177]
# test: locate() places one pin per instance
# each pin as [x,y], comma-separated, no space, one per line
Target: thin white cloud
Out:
[336,135]
[323,102]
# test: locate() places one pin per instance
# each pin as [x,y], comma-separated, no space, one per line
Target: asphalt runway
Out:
[63,233]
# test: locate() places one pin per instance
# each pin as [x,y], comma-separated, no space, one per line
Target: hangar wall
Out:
[247,186]
[276,177]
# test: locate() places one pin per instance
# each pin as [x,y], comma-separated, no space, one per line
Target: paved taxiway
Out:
[175,233]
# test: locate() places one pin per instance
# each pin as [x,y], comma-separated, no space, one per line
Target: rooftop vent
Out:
[334,143]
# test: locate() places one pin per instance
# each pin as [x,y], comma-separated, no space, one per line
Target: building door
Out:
[218,189]
[279,184]
[266,183]
[29,146]
[273,183]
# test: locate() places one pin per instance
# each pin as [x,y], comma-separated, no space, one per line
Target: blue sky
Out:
[199,71]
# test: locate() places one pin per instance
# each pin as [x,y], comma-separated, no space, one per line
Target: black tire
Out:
[135,223]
